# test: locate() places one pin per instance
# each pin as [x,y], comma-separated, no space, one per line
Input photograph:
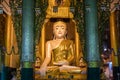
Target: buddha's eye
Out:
[56,28]
[62,27]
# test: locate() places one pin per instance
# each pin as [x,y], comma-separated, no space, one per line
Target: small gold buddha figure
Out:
[59,50]
[82,63]
[62,3]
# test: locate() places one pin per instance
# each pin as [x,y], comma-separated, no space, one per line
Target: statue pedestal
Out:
[64,72]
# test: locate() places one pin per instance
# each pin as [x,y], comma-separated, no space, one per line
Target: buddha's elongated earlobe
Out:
[65,35]
[54,37]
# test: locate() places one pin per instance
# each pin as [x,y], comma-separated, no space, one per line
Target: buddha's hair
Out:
[60,22]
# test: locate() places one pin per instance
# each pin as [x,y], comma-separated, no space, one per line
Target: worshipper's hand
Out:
[108,74]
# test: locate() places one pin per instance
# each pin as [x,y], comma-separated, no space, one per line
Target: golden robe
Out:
[65,51]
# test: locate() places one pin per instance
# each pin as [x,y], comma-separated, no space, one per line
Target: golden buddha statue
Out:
[59,51]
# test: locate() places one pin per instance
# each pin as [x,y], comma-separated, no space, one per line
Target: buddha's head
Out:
[59,30]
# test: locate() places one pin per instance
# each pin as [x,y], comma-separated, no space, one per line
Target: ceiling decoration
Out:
[5,4]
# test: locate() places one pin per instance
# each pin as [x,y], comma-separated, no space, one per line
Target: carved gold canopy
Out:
[59,9]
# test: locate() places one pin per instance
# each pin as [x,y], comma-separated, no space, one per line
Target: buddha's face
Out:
[59,29]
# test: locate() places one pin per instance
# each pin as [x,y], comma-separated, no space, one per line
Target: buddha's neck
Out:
[59,38]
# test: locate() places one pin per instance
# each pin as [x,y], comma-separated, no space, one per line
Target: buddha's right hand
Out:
[42,71]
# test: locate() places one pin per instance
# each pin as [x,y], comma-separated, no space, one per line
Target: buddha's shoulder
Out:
[51,42]
[48,43]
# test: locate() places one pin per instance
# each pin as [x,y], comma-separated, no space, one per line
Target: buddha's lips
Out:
[59,33]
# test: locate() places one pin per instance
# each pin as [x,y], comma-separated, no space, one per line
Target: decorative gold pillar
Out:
[8,40]
[43,43]
[14,57]
[6,63]
[114,46]
[77,48]
[11,41]
[113,38]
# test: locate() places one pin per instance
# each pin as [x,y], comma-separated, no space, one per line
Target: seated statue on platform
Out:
[59,51]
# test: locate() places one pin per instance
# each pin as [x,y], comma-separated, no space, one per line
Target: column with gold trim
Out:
[28,24]
[91,40]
